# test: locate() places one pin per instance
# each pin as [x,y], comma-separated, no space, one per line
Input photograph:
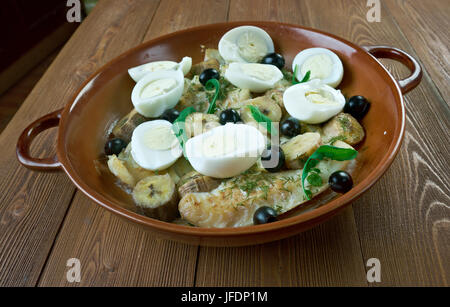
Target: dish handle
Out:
[26,138]
[392,53]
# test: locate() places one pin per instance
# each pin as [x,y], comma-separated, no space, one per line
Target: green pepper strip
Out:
[213,84]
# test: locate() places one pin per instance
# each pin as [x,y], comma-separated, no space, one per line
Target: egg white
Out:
[232,161]
[299,106]
[138,72]
[149,158]
[155,106]
[230,45]
[334,69]
[238,75]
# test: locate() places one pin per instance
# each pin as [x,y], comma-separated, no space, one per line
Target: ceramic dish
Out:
[104,98]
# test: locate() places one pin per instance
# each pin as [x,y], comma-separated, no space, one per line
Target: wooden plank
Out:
[425,25]
[32,204]
[113,252]
[327,255]
[402,220]
[175,15]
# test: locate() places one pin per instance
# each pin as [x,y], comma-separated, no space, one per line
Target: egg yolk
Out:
[160,138]
[252,47]
[158,87]
[320,97]
[258,71]
[320,66]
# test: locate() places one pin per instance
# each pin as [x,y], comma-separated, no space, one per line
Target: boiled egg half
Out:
[313,102]
[225,151]
[137,73]
[154,145]
[258,78]
[157,92]
[247,44]
[323,64]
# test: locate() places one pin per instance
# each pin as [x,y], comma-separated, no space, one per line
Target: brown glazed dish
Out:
[105,97]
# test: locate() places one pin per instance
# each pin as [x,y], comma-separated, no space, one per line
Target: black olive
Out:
[170,115]
[273,159]
[274,59]
[229,116]
[341,182]
[264,215]
[291,127]
[209,74]
[115,146]
[357,106]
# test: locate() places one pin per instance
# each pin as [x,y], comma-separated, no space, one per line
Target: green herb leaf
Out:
[314,179]
[178,127]
[183,114]
[261,118]
[305,78]
[325,151]
[213,84]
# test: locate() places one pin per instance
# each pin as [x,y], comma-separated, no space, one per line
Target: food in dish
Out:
[313,102]
[323,64]
[237,139]
[137,73]
[246,44]
[258,78]
[225,151]
[157,92]
[154,145]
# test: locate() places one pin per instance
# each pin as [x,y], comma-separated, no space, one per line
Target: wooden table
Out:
[404,220]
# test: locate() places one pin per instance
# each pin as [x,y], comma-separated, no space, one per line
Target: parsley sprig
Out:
[311,174]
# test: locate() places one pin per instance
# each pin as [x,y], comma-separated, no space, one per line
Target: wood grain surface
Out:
[404,220]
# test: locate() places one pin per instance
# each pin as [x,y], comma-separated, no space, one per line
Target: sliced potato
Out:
[267,107]
[118,168]
[133,168]
[211,54]
[125,127]
[305,128]
[343,127]
[157,197]
[197,69]
[283,84]
[298,149]
[194,95]
[198,123]
[196,182]
[277,97]
[234,98]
